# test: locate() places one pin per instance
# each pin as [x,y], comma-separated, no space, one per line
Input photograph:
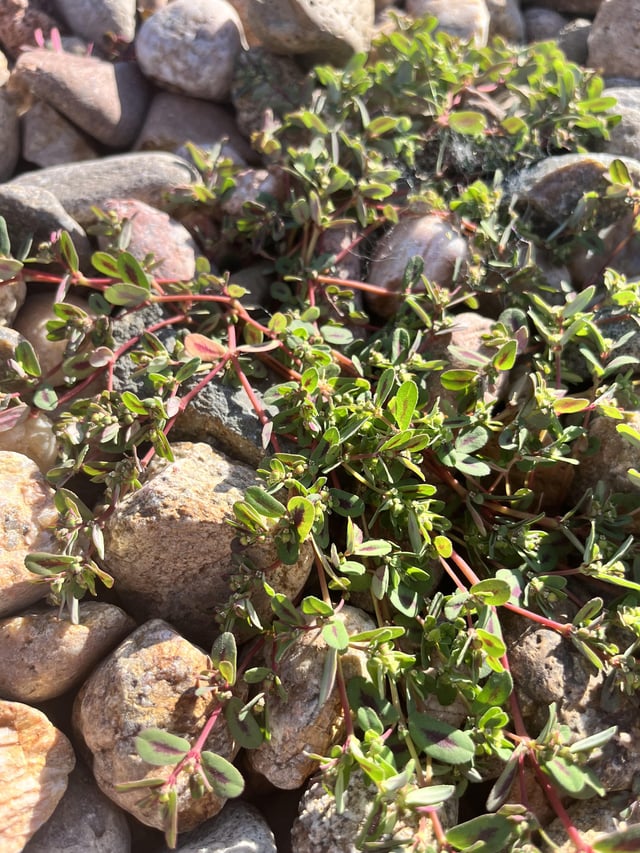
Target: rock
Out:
[567,7]
[249,184]
[257,92]
[594,818]
[616,25]
[441,247]
[244,8]
[505,19]
[48,139]
[93,19]
[11,376]
[320,829]
[239,828]
[85,821]
[322,32]
[4,69]
[32,436]
[190,46]
[170,546]
[547,668]
[27,517]
[19,20]
[465,19]
[153,232]
[542,24]
[12,296]
[173,120]
[33,214]
[610,459]
[107,100]
[35,761]
[572,40]
[42,656]
[554,186]
[9,135]
[148,176]
[625,137]
[32,321]
[149,681]
[299,725]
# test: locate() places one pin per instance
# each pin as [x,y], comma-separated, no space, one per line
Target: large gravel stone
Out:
[441,247]
[505,19]
[35,762]
[34,213]
[19,21]
[147,176]
[85,821]
[33,436]
[170,546]
[614,41]
[547,668]
[190,46]
[594,818]
[9,135]
[48,139]
[43,656]
[107,100]
[239,828]
[299,724]
[153,232]
[12,296]
[93,19]
[465,19]
[149,681]
[27,517]
[323,32]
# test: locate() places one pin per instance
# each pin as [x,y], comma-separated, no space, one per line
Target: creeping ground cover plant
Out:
[434,483]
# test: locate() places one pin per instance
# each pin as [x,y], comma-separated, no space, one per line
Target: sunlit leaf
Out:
[225,779]
[158,747]
[439,740]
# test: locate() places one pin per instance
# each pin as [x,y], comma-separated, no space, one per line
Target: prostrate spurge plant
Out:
[396,465]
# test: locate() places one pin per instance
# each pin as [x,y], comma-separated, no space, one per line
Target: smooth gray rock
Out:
[614,41]
[324,32]
[625,136]
[93,19]
[48,139]
[34,213]
[506,20]
[85,821]
[465,19]
[107,100]
[174,554]
[148,176]
[239,828]
[190,46]
[542,24]
[573,40]
[9,136]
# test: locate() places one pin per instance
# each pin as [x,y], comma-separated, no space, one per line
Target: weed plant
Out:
[438,507]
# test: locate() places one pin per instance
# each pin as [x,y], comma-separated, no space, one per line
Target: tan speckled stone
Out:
[27,519]
[43,656]
[299,725]
[149,681]
[171,549]
[35,762]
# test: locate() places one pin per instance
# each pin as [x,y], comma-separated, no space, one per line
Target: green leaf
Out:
[41,563]
[594,741]
[26,357]
[68,252]
[429,796]
[484,834]
[264,503]
[570,405]
[313,606]
[346,504]
[336,335]
[329,672]
[468,122]
[492,591]
[458,380]
[106,264]
[130,271]
[373,548]
[627,431]
[126,295]
[439,740]
[379,635]
[5,243]
[244,727]
[570,778]
[499,794]
[619,173]
[505,358]
[403,405]
[45,398]
[469,442]
[303,516]
[161,748]
[225,779]
[443,546]
[335,635]
[224,651]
